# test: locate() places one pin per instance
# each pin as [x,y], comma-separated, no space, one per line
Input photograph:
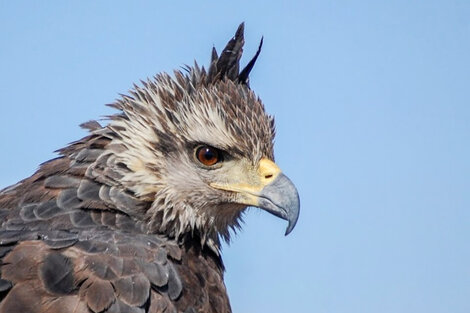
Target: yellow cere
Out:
[267,172]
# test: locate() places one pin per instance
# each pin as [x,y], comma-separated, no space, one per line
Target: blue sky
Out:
[372,104]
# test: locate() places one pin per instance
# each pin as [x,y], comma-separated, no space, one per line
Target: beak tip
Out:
[288,230]
[292,219]
[290,227]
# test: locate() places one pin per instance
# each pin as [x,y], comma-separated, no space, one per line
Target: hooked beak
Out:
[272,191]
[281,198]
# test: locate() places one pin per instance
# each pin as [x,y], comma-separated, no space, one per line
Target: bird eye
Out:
[208,155]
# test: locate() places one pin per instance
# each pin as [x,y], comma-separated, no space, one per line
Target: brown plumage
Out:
[129,218]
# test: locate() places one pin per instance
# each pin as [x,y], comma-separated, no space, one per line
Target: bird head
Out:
[198,146]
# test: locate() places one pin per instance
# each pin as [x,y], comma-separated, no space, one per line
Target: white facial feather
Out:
[154,133]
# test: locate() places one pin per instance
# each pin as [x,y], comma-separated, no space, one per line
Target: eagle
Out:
[131,217]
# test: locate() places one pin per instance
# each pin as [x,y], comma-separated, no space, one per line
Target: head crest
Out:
[228,64]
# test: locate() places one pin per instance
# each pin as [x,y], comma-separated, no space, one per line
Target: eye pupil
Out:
[207,155]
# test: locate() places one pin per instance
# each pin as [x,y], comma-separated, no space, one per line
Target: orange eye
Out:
[207,155]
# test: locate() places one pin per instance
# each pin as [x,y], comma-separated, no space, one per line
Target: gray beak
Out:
[280,197]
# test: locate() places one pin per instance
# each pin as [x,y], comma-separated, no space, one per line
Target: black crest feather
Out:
[243,77]
[228,64]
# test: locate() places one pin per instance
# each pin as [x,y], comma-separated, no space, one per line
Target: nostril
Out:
[268,176]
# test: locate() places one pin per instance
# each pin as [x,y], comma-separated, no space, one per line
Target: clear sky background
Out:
[372,103]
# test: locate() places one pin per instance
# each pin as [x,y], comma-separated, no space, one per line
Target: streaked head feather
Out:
[152,142]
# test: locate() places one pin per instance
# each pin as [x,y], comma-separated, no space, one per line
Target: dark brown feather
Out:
[98,294]
[56,274]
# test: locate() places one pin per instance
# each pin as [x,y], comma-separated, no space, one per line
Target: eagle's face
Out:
[200,151]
